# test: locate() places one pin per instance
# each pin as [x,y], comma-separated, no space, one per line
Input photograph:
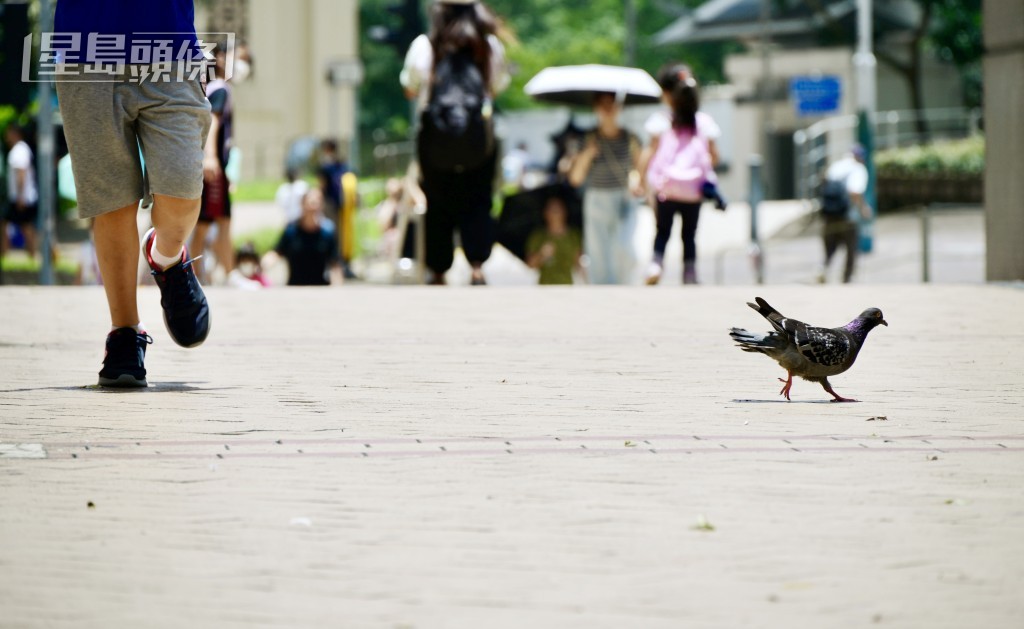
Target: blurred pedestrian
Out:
[215,208]
[310,246]
[289,195]
[454,73]
[607,166]
[333,173]
[555,249]
[679,168]
[515,165]
[22,190]
[330,171]
[843,205]
[88,265]
[106,123]
[247,274]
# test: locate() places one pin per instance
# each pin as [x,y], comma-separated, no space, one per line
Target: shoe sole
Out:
[124,381]
[209,326]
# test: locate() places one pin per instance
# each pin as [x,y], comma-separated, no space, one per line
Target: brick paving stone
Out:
[589,457]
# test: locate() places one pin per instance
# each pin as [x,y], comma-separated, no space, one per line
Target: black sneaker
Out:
[186,311]
[124,363]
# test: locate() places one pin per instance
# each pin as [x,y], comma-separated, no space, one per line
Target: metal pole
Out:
[354,156]
[864,64]
[755,198]
[45,163]
[926,253]
[630,44]
[766,73]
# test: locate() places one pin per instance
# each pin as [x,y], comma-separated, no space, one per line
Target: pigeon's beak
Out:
[884,323]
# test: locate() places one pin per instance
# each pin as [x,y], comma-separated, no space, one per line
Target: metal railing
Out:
[826,140]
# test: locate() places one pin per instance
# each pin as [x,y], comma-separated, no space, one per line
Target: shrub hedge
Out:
[959,159]
[942,172]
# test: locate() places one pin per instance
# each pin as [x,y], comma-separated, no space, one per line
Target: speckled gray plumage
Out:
[808,352]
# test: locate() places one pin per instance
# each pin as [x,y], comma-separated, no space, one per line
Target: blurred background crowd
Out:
[325,181]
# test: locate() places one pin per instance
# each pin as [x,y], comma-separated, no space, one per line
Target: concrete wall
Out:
[288,96]
[1004,125]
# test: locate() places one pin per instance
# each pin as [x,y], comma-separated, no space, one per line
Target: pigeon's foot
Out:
[788,385]
[838,398]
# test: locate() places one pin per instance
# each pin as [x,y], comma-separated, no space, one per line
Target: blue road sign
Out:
[815,95]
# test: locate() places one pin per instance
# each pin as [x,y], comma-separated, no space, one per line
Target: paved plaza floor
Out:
[412,457]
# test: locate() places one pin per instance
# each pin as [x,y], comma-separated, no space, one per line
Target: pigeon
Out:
[811,353]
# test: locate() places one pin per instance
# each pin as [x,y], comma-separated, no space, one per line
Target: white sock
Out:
[138,327]
[162,261]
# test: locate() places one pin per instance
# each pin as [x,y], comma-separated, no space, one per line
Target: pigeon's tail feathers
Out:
[764,308]
[751,341]
[778,320]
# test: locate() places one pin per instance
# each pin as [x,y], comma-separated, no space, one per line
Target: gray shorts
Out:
[107,123]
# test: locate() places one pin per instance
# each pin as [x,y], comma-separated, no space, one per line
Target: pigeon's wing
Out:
[823,346]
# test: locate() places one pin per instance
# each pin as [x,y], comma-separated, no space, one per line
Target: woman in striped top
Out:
[608,166]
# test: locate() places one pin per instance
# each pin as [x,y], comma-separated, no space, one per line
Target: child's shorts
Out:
[109,119]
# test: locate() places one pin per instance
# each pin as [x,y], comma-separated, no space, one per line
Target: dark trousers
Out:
[666,213]
[840,231]
[458,201]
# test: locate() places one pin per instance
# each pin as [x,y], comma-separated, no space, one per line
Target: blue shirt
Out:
[149,28]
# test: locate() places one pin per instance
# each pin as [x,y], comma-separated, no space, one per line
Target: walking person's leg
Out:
[197,244]
[222,245]
[664,217]
[174,219]
[28,232]
[690,213]
[831,238]
[851,240]
[99,121]
[625,247]
[600,218]
[117,254]
[477,228]
[438,224]
[172,126]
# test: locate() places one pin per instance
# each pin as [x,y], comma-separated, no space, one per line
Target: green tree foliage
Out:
[956,37]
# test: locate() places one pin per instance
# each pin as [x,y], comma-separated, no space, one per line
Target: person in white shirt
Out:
[843,229]
[22,193]
[289,195]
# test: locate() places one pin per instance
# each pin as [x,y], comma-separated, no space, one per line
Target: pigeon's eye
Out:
[878,314]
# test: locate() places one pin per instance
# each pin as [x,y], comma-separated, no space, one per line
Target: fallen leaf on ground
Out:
[703,524]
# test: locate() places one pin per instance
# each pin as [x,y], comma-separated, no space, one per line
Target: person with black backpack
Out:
[455,72]
[842,207]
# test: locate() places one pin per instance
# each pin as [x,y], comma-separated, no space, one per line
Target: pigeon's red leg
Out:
[838,398]
[788,385]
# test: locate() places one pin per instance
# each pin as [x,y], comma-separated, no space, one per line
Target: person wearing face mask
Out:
[247,273]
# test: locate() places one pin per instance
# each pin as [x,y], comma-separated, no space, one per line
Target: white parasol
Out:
[577,85]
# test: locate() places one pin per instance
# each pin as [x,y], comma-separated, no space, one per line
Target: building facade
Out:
[289,96]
